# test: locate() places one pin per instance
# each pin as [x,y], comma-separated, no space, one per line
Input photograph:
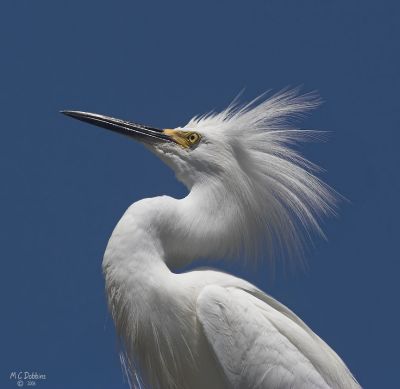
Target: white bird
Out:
[248,191]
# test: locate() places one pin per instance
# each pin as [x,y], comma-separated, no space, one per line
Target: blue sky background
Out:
[66,184]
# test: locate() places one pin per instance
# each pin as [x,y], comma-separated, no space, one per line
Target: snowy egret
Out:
[248,190]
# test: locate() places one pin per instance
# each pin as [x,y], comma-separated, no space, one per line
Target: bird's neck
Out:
[204,224]
[145,298]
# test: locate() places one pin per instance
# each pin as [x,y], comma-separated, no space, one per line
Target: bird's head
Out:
[244,153]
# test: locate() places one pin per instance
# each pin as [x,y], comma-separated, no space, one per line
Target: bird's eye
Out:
[193,138]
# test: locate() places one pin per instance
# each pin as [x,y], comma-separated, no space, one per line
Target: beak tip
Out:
[72,114]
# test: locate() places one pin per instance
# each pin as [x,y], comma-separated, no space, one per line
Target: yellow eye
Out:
[193,138]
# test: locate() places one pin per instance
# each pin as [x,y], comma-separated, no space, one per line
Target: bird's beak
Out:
[134,130]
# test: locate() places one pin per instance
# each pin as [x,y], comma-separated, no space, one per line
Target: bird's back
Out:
[259,343]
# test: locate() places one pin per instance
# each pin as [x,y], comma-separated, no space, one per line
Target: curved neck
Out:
[176,231]
[152,236]
[204,226]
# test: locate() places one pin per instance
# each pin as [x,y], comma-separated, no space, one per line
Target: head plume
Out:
[278,196]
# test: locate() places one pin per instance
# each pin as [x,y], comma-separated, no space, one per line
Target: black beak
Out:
[137,131]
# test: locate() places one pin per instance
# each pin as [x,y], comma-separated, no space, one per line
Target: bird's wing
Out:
[258,346]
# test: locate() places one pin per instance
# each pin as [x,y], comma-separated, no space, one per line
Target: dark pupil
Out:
[192,137]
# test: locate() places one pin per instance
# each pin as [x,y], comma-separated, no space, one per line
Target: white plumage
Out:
[250,194]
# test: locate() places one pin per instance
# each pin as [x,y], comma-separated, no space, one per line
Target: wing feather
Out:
[261,346]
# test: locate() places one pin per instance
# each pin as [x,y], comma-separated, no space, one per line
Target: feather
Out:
[279,198]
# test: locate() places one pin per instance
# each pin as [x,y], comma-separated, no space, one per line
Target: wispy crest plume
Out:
[281,198]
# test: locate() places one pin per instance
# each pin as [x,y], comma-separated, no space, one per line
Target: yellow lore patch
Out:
[186,139]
